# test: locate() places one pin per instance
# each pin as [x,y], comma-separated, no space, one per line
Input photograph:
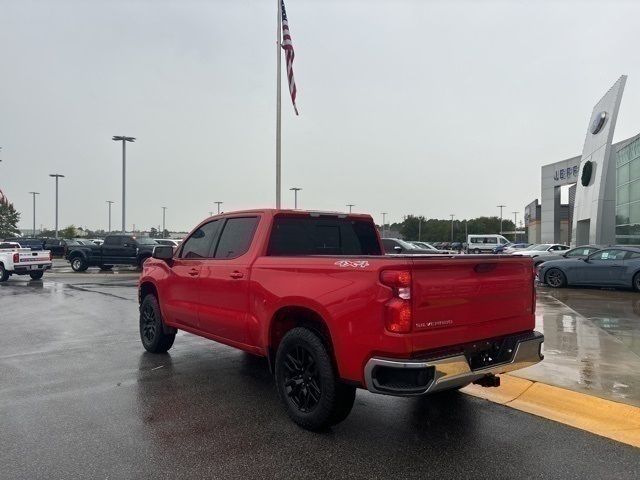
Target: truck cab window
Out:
[324,236]
[200,243]
[236,237]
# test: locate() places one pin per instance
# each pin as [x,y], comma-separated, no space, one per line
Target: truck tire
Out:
[476,251]
[141,261]
[308,387]
[4,275]
[152,334]
[79,264]
[36,275]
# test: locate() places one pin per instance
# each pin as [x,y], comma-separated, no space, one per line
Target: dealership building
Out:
[602,202]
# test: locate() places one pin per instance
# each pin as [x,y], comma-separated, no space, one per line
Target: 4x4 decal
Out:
[352,263]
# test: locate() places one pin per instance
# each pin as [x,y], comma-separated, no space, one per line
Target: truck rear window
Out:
[322,236]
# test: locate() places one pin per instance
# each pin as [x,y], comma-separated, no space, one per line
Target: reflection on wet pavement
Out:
[592,342]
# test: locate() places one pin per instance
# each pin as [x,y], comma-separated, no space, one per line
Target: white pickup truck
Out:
[15,260]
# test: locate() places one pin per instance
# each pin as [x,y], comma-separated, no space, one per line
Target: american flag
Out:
[287,46]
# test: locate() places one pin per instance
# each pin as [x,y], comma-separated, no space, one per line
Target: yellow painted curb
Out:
[603,417]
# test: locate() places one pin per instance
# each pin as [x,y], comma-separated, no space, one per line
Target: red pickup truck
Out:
[314,294]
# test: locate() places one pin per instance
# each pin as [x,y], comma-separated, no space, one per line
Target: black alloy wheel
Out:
[309,388]
[152,334]
[636,282]
[555,278]
[301,379]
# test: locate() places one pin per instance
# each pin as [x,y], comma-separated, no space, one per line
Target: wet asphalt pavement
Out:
[79,398]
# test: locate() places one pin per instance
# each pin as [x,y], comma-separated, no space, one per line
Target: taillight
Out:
[398,311]
[16,258]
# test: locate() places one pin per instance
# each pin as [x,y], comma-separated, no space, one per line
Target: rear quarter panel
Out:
[346,294]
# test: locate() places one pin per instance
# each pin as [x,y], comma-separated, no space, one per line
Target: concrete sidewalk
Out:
[596,355]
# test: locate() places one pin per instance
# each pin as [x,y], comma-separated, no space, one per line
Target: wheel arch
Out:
[145,289]
[149,288]
[289,317]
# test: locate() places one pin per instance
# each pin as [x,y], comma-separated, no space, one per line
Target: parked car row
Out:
[398,246]
[57,246]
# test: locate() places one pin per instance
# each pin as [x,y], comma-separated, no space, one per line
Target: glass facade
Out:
[628,194]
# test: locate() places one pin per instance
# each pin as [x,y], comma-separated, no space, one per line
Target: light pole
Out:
[295,191]
[419,228]
[501,207]
[124,140]
[110,202]
[515,226]
[384,221]
[451,215]
[164,213]
[34,211]
[57,176]
[350,205]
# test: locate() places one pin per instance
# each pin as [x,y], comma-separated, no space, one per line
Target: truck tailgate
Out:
[468,298]
[30,257]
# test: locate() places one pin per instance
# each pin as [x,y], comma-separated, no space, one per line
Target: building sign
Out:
[567,173]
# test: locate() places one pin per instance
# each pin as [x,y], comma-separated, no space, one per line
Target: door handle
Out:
[193,272]
[236,274]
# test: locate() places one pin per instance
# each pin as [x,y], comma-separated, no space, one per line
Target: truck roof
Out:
[275,211]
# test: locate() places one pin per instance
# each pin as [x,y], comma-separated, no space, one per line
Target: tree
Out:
[9,219]
[153,232]
[439,230]
[68,232]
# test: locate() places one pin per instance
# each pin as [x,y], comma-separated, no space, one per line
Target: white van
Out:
[484,243]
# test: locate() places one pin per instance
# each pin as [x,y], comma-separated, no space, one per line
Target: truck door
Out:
[224,281]
[112,249]
[181,298]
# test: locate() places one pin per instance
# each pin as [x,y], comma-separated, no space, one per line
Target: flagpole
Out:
[278,107]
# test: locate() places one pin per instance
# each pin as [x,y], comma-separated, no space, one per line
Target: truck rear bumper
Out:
[472,362]
[27,268]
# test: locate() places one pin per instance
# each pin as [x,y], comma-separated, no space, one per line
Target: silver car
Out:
[541,250]
[609,267]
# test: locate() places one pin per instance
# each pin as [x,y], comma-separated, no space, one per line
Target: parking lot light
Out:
[34,211]
[124,140]
[57,176]
[295,191]
[110,202]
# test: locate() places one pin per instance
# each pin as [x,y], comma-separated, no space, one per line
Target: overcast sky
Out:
[408,107]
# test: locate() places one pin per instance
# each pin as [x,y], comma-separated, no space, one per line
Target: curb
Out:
[613,420]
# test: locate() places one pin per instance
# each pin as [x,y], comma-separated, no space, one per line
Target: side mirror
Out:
[397,249]
[585,259]
[163,252]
